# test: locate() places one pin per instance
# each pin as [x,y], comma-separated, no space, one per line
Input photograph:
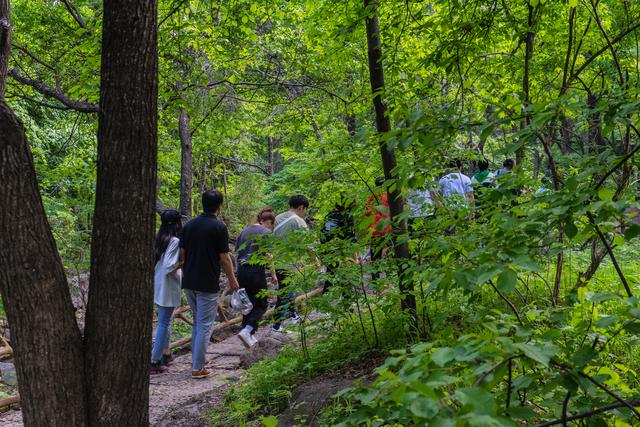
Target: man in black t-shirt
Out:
[205,249]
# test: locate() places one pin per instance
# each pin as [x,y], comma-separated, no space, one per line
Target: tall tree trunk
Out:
[526,84]
[566,130]
[596,140]
[35,292]
[32,281]
[270,154]
[383,125]
[119,313]
[350,121]
[186,165]
[5,43]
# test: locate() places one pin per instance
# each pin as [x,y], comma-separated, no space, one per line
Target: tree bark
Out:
[595,124]
[45,336]
[526,85]
[5,43]
[35,292]
[383,125]
[186,165]
[270,160]
[119,313]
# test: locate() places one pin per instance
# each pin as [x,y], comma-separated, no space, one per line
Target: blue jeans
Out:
[163,332]
[204,306]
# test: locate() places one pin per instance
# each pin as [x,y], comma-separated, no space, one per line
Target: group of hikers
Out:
[192,257]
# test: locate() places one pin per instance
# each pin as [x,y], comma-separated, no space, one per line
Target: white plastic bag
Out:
[240,301]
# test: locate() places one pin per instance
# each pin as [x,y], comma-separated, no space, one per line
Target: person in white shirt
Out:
[507,168]
[167,294]
[455,187]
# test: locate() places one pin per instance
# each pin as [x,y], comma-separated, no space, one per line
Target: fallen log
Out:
[181,310]
[184,319]
[220,326]
[6,348]
[11,400]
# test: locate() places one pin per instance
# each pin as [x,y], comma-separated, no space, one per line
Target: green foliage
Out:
[278,98]
[269,383]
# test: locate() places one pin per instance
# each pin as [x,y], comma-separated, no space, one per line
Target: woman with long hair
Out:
[252,273]
[167,294]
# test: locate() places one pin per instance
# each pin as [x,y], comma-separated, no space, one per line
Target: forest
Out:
[483,152]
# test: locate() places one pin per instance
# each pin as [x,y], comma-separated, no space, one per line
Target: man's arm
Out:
[227,266]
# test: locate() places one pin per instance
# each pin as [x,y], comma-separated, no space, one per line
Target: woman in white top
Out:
[167,294]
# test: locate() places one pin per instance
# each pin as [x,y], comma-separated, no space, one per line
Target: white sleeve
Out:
[172,255]
[467,185]
[441,185]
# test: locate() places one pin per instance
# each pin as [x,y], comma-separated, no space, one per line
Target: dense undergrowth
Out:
[330,345]
[504,334]
[476,355]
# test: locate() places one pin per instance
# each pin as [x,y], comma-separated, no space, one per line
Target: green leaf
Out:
[526,263]
[605,194]
[633,327]
[479,399]
[441,356]
[489,274]
[604,296]
[607,321]
[269,421]
[632,231]
[583,356]
[539,354]
[570,229]
[486,132]
[424,408]
[573,3]
[569,382]
[507,280]
[521,412]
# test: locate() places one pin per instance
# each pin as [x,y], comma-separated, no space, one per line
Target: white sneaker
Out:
[295,319]
[245,337]
[254,340]
[280,331]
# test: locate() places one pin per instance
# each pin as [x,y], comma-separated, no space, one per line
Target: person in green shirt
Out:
[483,176]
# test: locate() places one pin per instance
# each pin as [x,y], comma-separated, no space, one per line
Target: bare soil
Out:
[175,399]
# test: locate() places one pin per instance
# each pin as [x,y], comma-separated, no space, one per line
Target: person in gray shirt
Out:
[286,223]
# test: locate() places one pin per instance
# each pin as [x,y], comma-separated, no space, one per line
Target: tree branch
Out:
[75,13]
[195,128]
[614,261]
[38,102]
[509,303]
[240,162]
[33,56]
[80,106]
[602,50]
[599,385]
[588,414]
[609,44]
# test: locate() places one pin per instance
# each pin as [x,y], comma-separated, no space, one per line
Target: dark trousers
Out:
[285,306]
[253,280]
[377,248]
[331,269]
